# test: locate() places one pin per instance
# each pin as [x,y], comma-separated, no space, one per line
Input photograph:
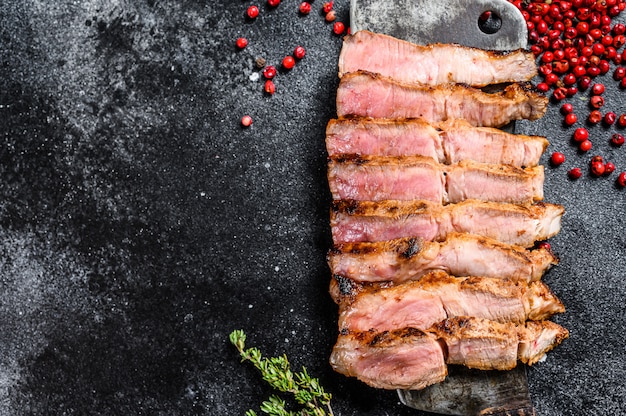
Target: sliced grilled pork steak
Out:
[353,221]
[462,141]
[447,142]
[540,301]
[538,339]
[459,254]
[370,95]
[402,359]
[379,178]
[380,137]
[408,358]
[487,345]
[498,183]
[432,64]
[437,296]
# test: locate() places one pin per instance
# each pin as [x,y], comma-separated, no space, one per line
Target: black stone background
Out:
[140,223]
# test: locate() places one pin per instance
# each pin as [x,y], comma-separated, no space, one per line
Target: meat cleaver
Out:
[465,392]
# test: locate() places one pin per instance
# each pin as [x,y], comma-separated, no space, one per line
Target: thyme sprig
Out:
[276,371]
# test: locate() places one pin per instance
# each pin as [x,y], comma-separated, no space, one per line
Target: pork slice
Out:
[370,95]
[359,221]
[462,141]
[458,254]
[362,136]
[499,183]
[509,223]
[537,338]
[433,64]
[539,302]
[381,178]
[378,178]
[447,142]
[479,343]
[437,296]
[407,359]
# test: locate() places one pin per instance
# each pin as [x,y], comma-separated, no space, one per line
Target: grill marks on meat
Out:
[432,64]
[438,296]
[371,178]
[448,142]
[353,221]
[366,94]
[408,358]
[405,259]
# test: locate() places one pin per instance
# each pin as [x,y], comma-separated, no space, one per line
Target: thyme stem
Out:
[276,371]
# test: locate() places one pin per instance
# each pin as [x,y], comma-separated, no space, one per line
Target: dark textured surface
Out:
[140,224]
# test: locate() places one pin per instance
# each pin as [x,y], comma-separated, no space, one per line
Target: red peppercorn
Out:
[269,72]
[617,139]
[579,71]
[609,167]
[557,158]
[567,108]
[597,168]
[610,118]
[597,159]
[560,93]
[621,179]
[574,173]
[569,79]
[585,146]
[622,82]
[551,78]
[570,119]
[330,16]
[305,7]
[543,87]
[584,82]
[595,117]
[621,120]
[593,71]
[620,72]
[604,66]
[544,245]
[299,52]
[242,43]
[338,28]
[596,101]
[580,134]
[270,87]
[327,7]
[288,62]
[253,12]
[597,89]
[547,57]
[246,121]
[273,3]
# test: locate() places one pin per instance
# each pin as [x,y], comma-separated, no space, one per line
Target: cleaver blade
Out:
[465,392]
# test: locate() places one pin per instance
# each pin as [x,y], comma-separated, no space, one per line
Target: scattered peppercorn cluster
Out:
[575,42]
[269,72]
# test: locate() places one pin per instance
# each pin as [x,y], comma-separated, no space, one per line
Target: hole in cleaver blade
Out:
[465,392]
[450,21]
